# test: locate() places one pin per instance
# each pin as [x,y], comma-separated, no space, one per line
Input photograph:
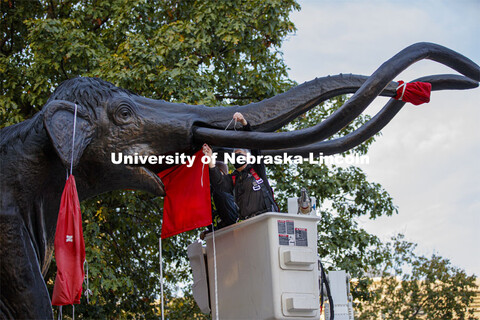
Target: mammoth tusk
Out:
[377,123]
[372,87]
[271,114]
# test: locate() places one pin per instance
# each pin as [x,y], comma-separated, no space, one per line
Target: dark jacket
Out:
[251,195]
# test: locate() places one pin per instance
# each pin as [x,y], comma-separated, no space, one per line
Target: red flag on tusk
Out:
[414,92]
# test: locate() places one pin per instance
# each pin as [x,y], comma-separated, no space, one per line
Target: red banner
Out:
[69,248]
[187,204]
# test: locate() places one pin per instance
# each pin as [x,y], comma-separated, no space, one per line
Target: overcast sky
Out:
[428,157]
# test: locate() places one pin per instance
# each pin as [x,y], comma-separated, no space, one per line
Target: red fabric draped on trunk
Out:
[187,204]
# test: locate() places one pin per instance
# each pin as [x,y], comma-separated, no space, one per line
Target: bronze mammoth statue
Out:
[36,152]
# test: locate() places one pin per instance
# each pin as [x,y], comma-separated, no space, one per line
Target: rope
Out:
[73,138]
[59,314]
[215,272]
[88,292]
[161,275]
[234,125]
[201,178]
[213,240]
[404,85]
[228,125]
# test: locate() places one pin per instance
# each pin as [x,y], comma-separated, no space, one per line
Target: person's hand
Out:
[207,150]
[239,118]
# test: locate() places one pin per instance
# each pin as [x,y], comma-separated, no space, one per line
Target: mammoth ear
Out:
[58,119]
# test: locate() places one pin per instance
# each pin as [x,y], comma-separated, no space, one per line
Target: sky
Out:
[428,157]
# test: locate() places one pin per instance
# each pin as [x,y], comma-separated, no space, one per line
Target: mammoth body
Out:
[36,154]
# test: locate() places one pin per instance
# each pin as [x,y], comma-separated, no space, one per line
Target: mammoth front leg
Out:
[23,293]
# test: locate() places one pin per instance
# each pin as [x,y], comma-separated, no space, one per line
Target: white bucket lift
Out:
[266,269]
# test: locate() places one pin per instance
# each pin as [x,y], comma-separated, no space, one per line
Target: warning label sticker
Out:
[290,226]
[286,240]
[301,237]
[282,228]
[288,235]
[283,240]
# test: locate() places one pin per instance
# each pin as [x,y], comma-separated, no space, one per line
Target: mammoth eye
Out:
[124,114]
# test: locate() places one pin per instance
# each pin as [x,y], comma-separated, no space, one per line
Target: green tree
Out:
[190,51]
[412,286]
[205,52]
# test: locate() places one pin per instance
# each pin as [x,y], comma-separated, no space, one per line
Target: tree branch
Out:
[51,10]
[63,69]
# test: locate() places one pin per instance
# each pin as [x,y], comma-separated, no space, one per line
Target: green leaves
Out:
[417,287]
[190,51]
[199,52]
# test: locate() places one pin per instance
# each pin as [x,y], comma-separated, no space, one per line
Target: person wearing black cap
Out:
[248,183]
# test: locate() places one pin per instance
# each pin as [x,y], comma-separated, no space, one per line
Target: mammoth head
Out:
[108,120]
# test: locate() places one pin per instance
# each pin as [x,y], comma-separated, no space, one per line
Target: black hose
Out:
[327,286]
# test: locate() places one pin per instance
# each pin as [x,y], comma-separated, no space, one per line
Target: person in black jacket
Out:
[248,183]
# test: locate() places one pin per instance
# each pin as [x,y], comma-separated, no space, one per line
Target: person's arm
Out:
[217,178]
